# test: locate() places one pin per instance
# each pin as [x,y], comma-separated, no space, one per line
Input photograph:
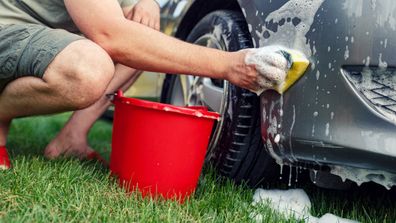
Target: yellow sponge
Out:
[298,64]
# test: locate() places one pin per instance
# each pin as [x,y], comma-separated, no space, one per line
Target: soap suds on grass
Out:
[293,203]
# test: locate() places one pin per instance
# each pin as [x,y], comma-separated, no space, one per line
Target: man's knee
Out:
[80,73]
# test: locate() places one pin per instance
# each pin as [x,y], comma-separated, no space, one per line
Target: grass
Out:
[69,190]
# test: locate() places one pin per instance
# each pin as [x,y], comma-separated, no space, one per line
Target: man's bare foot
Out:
[4,126]
[69,144]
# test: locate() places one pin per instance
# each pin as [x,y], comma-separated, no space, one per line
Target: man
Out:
[46,68]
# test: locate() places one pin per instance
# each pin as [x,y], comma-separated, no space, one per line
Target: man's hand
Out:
[146,12]
[258,69]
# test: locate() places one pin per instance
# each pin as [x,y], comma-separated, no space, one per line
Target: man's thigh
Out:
[28,49]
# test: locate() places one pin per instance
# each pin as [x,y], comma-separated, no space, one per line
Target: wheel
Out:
[236,149]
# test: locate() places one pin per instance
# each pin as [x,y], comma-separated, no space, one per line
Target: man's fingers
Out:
[145,12]
[130,15]
[157,24]
[255,86]
[137,17]
[145,21]
[152,24]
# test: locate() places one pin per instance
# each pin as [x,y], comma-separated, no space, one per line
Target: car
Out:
[338,120]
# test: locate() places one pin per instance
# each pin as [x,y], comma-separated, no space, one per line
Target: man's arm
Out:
[141,47]
[138,46]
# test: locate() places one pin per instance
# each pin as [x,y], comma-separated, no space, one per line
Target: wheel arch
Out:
[198,10]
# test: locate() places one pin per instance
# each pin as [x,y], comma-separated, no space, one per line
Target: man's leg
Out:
[75,79]
[72,139]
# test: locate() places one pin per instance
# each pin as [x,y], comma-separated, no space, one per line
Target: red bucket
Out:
[159,148]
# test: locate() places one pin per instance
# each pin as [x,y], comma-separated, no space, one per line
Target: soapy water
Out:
[293,35]
[346,54]
[220,31]
[384,11]
[294,20]
[293,203]
[291,132]
[360,176]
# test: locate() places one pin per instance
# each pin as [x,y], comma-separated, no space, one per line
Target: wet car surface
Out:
[340,117]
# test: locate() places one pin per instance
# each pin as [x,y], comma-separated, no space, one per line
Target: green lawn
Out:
[38,190]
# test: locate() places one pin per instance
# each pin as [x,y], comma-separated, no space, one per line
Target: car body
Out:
[339,118]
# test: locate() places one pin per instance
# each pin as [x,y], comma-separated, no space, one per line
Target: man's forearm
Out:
[137,46]
[140,47]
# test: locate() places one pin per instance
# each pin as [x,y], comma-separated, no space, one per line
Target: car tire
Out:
[236,149]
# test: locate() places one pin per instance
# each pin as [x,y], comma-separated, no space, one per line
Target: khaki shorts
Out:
[28,49]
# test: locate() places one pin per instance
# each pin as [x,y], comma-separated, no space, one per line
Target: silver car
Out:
[338,120]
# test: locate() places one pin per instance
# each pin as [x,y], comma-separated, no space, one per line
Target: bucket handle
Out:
[115,95]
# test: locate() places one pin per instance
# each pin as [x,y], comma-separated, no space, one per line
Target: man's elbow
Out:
[107,42]
[111,37]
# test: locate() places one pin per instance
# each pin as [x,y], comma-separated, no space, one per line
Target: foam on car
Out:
[360,176]
[298,17]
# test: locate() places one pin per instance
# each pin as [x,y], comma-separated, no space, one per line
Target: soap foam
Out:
[271,65]
[293,203]
[292,35]
[360,176]
[353,8]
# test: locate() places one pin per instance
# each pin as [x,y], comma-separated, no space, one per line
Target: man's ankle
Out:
[4,127]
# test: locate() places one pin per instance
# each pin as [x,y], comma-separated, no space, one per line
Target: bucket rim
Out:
[196,111]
